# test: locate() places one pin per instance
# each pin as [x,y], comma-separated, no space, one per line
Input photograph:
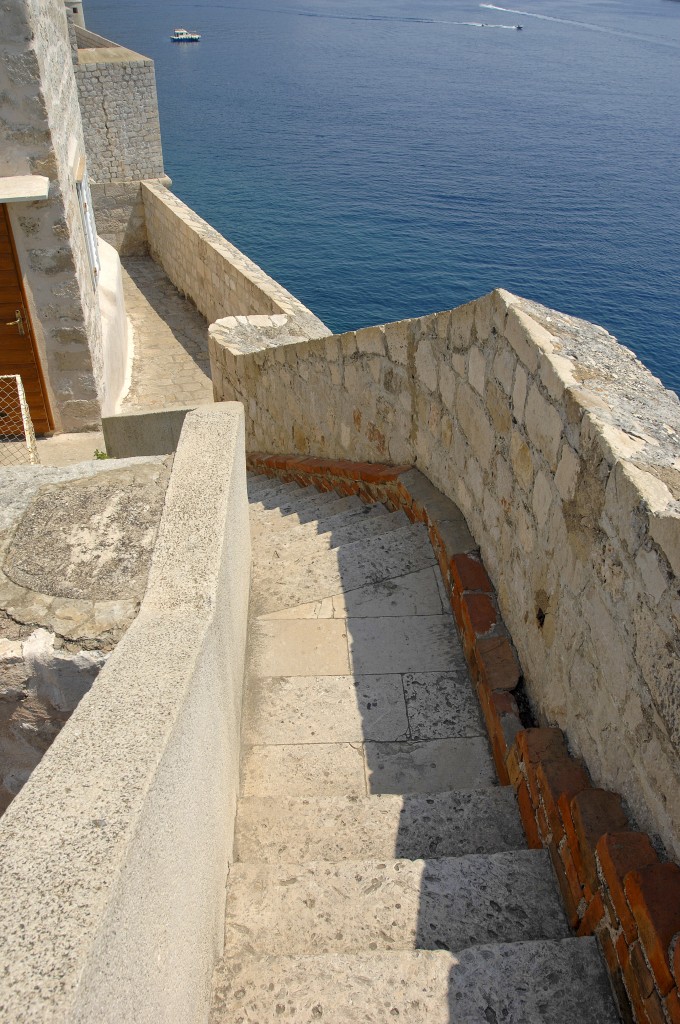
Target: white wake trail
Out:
[582,24]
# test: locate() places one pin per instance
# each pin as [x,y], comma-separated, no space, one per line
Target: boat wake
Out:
[581,24]
[356,17]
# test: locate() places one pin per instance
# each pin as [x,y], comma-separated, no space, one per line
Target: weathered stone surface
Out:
[89,539]
[415,593]
[303,769]
[77,544]
[404,644]
[429,766]
[560,981]
[355,565]
[326,709]
[447,824]
[448,903]
[299,647]
[441,705]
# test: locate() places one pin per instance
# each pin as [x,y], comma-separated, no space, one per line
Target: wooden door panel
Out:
[18,353]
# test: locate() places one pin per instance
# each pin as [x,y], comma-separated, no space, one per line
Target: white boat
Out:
[181,35]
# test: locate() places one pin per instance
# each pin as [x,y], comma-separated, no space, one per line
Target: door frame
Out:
[27,316]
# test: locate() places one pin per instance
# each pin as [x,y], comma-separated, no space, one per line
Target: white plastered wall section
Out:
[563,452]
[112,909]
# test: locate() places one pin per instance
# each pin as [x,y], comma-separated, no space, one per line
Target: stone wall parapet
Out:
[112,910]
[221,281]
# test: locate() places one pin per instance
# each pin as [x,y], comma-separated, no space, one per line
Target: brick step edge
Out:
[612,882]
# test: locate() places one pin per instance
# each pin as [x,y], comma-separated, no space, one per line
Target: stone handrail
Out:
[115,853]
[563,452]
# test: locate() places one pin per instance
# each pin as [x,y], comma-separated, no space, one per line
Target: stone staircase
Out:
[381,873]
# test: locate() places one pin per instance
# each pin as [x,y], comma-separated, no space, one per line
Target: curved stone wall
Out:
[564,454]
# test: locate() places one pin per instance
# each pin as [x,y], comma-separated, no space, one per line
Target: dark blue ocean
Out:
[389,158]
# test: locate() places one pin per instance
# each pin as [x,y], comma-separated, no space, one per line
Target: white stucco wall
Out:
[116,330]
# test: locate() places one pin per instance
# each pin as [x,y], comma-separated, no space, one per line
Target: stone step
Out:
[258,485]
[416,593]
[543,982]
[274,489]
[452,824]
[291,544]
[313,511]
[356,565]
[294,500]
[385,707]
[449,903]
[328,521]
[360,769]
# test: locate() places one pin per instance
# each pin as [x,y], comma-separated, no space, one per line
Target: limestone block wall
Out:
[218,278]
[113,909]
[564,454]
[119,110]
[42,134]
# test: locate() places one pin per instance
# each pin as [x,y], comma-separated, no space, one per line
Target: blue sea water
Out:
[389,158]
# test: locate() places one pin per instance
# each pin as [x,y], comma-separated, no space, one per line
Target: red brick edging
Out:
[613,884]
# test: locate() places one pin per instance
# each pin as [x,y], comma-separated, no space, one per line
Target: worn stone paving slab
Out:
[296,647]
[429,766]
[286,829]
[347,568]
[449,903]
[325,709]
[290,547]
[405,643]
[416,593]
[277,493]
[441,705]
[303,769]
[547,981]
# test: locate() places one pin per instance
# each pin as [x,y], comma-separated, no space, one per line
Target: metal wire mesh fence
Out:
[17,437]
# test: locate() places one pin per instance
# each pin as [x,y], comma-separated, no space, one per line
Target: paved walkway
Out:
[171,364]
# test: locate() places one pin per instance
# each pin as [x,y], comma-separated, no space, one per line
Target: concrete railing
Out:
[115,854]
[564,454]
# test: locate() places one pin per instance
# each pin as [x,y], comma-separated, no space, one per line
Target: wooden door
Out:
[18,352]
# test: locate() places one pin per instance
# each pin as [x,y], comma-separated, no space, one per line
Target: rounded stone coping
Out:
[129,810]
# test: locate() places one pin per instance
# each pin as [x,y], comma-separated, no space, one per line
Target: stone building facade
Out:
[42,137]
[80,132]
